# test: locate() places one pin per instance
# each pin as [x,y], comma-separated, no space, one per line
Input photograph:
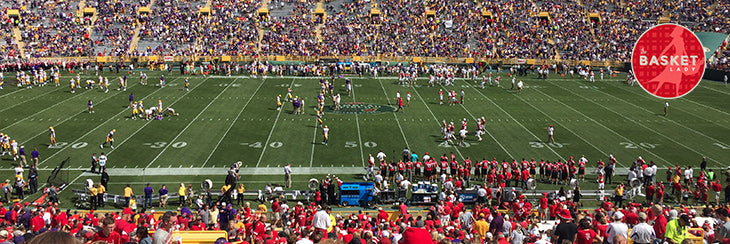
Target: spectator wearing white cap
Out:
[617,228]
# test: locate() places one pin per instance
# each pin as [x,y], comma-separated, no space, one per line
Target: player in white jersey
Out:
[14,150]
[72,83]
[441,96]
[462,136]
[149,112]
[593,77]
[171,111]
[513,83]
[326,135]
[134,110]
[519,86]
[601,73]
[550,131]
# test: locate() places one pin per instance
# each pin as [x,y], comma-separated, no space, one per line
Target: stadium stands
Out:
[546,29]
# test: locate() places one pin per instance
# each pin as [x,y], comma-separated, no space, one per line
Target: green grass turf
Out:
[227,119]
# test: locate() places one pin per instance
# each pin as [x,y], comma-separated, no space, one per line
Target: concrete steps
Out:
[19,41]
[135,37]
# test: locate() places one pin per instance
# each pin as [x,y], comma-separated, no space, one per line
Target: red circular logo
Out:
[668,61]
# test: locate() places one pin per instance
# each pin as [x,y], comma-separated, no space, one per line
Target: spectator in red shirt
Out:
[660,223]
[37,222]
[382,215]
[416,235]
[543,210]
[107,233]
[586,234]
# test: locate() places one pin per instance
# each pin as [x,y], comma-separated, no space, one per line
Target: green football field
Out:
[227,119]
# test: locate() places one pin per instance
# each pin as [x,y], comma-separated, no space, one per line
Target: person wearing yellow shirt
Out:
[481,226]
[93,192]
[182,193]
[225,188]
[100,195]
[133,204]
[127,194]
[262,208]
[241,189]
[619,199]
[676,230]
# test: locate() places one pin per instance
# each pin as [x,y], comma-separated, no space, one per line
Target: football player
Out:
[109,139]
[52,133]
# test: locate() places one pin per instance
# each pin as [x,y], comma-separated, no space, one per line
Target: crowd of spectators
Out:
[457,28]
[114,26]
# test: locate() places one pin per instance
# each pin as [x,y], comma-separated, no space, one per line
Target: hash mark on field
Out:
[231,126]
[272,129]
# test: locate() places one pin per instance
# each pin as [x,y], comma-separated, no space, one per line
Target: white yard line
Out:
[436,119]
[68,118]
[394,114]
[273,127]
[314,142]
[556,121]
[357,122]
[655,132]
[696,132]
[232,123]
[515,120]
[13,92]
[488,133]
[677,108]
[191,123]
[46,109]
[706,106]
[35,96]
[596,122]
[71,183]
[60,87]
[149,121]
[715,90]
[92,130]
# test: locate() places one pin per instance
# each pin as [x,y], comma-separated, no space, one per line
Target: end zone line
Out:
[232,123]
[394,114]
[191,121]
[513,118]
[148,122]
[314,142]
[273,126]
